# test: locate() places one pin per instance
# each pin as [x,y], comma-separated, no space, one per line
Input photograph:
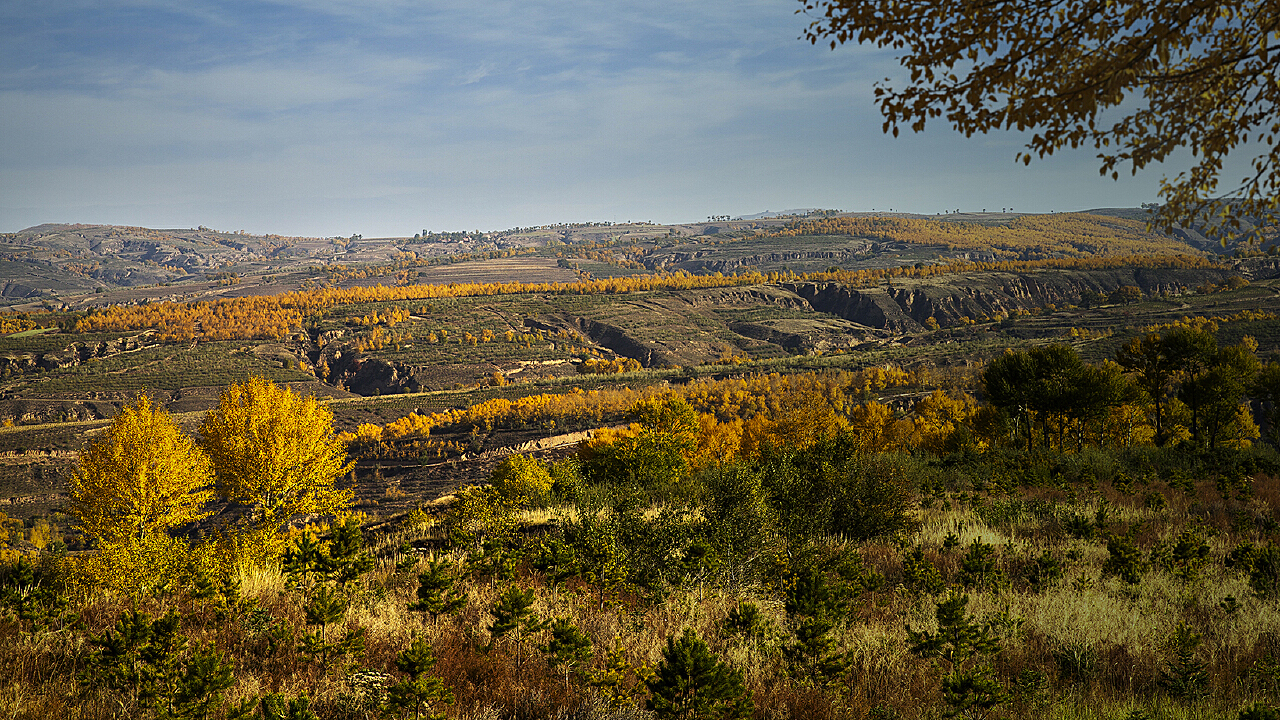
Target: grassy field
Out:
[1029,542]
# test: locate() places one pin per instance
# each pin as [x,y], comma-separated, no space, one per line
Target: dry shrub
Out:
[790,700]
[481,680]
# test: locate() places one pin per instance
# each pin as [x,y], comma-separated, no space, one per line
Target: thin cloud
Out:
[387,116]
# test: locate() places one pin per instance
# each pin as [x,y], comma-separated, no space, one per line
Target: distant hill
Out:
[779,213]
[80,265]
[1252,233]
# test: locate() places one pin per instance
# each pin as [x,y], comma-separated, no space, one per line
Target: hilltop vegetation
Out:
[1026,237]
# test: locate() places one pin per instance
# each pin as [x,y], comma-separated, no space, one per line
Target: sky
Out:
[387,117]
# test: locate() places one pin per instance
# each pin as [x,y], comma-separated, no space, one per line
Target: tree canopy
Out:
[275,451]
[142,479]
[144,476]
[1136,80]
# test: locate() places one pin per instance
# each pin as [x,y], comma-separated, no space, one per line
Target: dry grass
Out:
[1100,643]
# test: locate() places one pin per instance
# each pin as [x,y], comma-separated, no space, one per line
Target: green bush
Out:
[522,480]
[832,488]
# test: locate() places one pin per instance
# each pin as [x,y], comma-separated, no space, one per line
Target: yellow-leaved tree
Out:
[522,480]
[274,451]
[940,419]
[133,486]
[7,553]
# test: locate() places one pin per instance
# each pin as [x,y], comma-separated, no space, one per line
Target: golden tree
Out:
[275,451]
[521,479]
[141,480]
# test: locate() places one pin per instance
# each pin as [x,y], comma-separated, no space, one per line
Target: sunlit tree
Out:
[1137,81]
[276,452]
[132,487]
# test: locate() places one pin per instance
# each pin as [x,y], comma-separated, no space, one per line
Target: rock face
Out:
[617,340]
[375,376]
[873,307]
[75,353]
[906,305]
[59,359]
[351,370]
[18,290]
[25,411]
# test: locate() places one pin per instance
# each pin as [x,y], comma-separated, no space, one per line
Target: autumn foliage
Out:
[276,452]
[279,316]
[263,447]
[135,485]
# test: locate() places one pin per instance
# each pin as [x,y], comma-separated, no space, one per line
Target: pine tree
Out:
[620,679]
[1263,565]
[568,648]
[959,637]
[303,561]
[420,690]
[514,614]
[327,607]
[813,652]
[1124,560]
[278,707]
[139,657]
[409,557]
[1259,711]
[436,593]
[971,692]
[920,575]
[746,620]
[1186,677]
[31,592]
[978,565]
[346,559]
[692,684]
[1044,571]
[814,605]
[967,689]
[556,560]
[202,687]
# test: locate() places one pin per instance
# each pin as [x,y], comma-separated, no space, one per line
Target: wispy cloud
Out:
[387,116]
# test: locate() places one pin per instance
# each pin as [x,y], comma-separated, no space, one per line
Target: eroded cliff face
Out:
[905,305]
[354,371]
[17,362]
[666,329]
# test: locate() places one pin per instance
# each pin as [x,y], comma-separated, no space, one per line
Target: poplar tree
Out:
[140,481]
[276,452]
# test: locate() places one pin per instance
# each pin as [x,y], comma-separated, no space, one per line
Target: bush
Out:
[522,480]
[1264,576]
[832,488]
[1124,560]
[739,522]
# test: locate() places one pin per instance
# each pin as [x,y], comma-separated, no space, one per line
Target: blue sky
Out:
[385,117]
